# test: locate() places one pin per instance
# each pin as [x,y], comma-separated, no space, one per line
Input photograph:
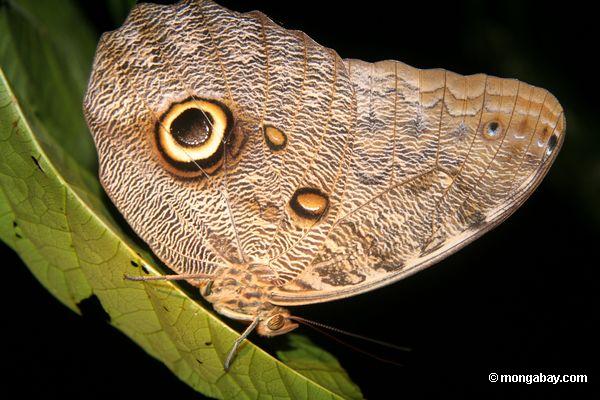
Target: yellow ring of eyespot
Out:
[183,154]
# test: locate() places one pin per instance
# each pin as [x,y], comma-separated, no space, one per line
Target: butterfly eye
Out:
[190,136]
[276,322]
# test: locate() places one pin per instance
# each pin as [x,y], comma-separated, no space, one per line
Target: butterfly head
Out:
[277,322]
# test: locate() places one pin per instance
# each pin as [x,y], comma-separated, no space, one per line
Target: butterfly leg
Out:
[177,277]
[239,341]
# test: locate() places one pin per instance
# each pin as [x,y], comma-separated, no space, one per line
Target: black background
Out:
[522,299]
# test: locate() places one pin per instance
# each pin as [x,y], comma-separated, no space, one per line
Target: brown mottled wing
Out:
[403,166]
[266,76]
[438,160]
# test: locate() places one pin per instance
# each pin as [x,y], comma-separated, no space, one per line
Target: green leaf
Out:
[46,52]
[54,214]
[310,360]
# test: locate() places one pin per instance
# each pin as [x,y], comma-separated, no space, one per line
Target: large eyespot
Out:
[190,136]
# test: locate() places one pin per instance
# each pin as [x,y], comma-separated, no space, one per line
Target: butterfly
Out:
[269,172]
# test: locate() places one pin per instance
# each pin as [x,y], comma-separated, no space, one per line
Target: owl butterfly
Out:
[269,172]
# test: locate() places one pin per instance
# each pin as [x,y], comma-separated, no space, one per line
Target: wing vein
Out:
[437,153]
[321,139]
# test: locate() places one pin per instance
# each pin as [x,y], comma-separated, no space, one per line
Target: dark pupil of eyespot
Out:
[493,127]
[191,128]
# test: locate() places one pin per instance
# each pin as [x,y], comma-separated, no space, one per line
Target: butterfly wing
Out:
[237,213]
[439,159]
[337,177]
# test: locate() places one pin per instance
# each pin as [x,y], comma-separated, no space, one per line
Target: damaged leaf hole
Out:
[92,308]
[36,161]
[15,226]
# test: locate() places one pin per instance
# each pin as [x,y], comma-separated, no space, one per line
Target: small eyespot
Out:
[309,204]
[492,130]
[276,140]
[276,322]
[551,144]
[190,136]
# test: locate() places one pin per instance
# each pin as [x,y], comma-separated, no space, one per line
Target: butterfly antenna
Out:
[319,327]
[354,335]
[340,341]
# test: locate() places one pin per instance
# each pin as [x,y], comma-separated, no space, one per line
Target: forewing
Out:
[238,213]
[439,159]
